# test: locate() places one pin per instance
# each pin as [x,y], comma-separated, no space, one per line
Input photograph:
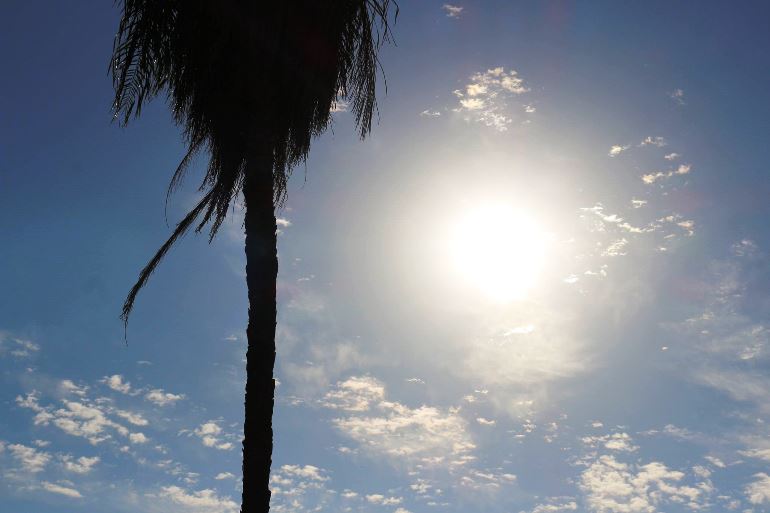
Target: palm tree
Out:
[251,83]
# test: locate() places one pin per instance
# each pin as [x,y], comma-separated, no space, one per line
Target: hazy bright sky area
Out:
[540,286]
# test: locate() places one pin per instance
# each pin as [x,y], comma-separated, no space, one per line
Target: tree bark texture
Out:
[261,275]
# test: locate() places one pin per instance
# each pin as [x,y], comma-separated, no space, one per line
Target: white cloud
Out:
[672,156]
[616,248]
[211,435]
[485,98]
[138,438]
[620,442]
[304,471]
[86,421]
[485,422]
[603,220]
[82,419]
[30,459]
[377,498]
[613,486]
[162,398]
[81,465]
[555,506]
[651,178]
[61,490]
[224,475]
[715,461]
[203,501]
[452,11]
[617,149]
[69,387]
[116,383]
[134,418]
[430,113]
[16,347]
[653,141]
[425,435]
[303,488]
[758,492]
[355,394]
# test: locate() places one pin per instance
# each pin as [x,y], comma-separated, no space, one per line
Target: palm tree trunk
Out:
[261,275]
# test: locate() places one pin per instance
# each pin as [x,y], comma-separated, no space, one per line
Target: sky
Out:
[540,286]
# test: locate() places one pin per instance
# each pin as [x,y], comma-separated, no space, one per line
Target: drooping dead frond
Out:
[251,82]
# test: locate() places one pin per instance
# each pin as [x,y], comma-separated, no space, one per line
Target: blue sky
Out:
[607,349]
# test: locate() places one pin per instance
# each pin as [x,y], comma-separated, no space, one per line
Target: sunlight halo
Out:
[498,250]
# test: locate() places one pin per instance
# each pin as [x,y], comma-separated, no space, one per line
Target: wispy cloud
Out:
[16,347]
[678,96]
[758,492]
[67,491]
[452,11]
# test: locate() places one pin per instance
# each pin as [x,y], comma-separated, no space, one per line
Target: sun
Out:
[498,250]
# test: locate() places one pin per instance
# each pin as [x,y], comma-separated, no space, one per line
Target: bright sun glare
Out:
[498,250]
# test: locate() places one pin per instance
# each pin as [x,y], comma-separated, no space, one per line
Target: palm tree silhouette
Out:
[251,83]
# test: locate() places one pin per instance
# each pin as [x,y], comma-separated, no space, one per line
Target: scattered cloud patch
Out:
[382,500]
[61,490]
[116,383]
[678,96]
[654,176]
[17,347]
[211,435]
[162,398]
[355,394]
[134,418]
[452,11]
[138,438]
[485,98]
[653,141]
[617,149]
[30,459]
[202,501]
[613,486]
[758,492]
[619,442]
[424,435]
[81,465]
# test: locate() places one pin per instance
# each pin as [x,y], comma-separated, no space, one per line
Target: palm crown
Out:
[247,80]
